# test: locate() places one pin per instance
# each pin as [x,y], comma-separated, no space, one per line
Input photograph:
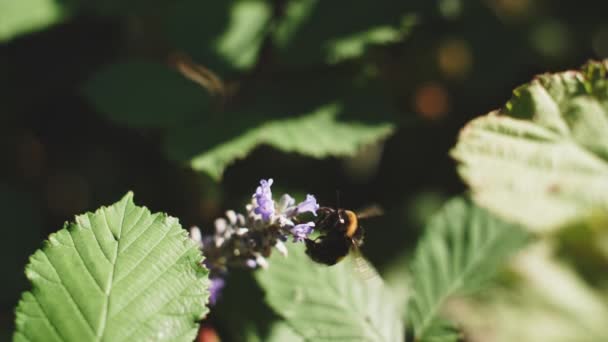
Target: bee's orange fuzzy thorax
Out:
[353,223]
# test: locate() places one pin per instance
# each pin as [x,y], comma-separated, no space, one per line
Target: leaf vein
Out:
[69,294]
[152,283]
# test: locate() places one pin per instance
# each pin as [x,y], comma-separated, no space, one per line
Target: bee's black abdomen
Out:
[328,249]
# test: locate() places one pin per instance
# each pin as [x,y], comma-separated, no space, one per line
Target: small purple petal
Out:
[215,289]
[265,208]
[308,205]
[263,199]
[301,231]
[251,263]
[264,188]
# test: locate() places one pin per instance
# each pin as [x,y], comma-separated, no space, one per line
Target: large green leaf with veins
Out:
[542,160]
[462,247]
[119,274]
[323,303]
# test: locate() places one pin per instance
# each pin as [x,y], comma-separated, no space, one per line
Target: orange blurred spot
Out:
[432,101]
[454,58]
[208,334]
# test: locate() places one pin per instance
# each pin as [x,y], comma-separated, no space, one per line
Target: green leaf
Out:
[224,36]
[542,160]
[146,94]
[25,16]
[318,134]
[324,303]
[546,301]
[278,331]
[321,124]
[462,247]
[119,274]
[309,33]
[254,321]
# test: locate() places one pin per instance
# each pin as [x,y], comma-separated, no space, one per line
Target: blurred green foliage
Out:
[189,103]
[164,99]
[228,39]
[21,17]
[543,162]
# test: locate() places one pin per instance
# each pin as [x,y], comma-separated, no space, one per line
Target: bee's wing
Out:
[362,266]
[370,211]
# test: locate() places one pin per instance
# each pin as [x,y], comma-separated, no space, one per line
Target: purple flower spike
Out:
[263,198]
[301,231]
[265,208]
[215,289]
[264,188]
[309,205]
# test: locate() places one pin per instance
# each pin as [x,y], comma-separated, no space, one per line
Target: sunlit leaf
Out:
[542,160]
[318,134]
[146,94]
[119,274]
[25,16]
[323,303]
[462,247]
[320,124]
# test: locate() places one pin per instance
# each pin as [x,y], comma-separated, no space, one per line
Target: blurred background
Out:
[190,103]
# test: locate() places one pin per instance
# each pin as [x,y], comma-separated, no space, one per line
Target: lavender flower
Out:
[301,231]
[248,240]
[215,289]
[309,205]
[263,199]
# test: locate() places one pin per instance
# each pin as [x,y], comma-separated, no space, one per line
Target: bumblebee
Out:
[340,233]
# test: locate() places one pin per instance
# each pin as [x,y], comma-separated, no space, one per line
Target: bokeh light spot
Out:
[432,101]
[454,58]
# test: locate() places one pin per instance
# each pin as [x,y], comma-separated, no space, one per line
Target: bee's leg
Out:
[340,218]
